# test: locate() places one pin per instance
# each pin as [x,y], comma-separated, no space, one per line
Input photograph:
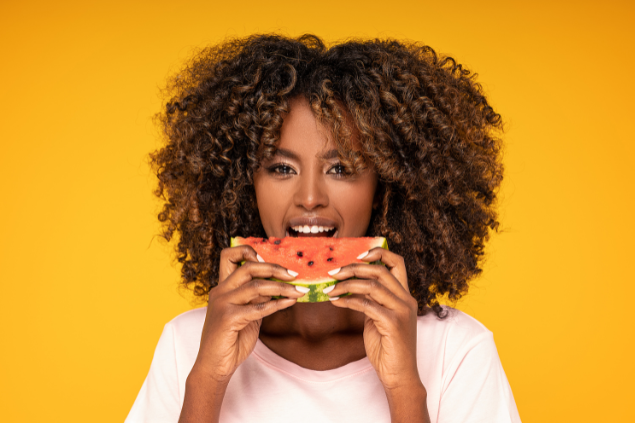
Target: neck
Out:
[312,322]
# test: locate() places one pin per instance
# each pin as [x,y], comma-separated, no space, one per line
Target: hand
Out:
[390,327]
[235,310]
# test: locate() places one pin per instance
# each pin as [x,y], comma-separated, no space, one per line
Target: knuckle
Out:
[213,292]
[215,299]
[247,251]
[374,284]
[260,307]
[353,266]
[413,303]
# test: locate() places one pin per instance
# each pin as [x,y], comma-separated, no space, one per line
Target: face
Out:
[304,191]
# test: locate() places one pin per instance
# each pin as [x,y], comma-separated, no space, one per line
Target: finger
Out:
[371,271]
[262,288]
[259,300]
[372,289]
[252,312]
[394,262]
[364,305]
[251,270]
[230,259]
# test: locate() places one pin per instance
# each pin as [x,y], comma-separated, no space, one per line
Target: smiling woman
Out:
[305,185]
[273,137]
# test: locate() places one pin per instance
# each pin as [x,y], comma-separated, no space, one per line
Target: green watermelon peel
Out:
[314,284]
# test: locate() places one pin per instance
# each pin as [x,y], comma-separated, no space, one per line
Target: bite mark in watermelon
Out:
[312,258]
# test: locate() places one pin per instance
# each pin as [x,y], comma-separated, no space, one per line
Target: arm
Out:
[475,387]
[408,404]
[203,399]
[234,314]
[390,329]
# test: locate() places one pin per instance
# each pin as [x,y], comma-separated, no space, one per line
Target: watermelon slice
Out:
[312,258]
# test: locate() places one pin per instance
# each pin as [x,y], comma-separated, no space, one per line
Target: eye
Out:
[281,169]
[338,170]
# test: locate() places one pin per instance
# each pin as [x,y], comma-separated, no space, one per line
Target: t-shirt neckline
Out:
[264,354]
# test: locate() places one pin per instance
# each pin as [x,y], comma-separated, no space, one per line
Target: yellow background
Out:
[86,287]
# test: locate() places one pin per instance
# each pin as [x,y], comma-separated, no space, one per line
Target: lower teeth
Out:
[295,233]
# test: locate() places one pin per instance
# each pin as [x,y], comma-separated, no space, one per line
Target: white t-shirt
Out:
[457,360]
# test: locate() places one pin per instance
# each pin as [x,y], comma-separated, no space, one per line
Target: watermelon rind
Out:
[315,294]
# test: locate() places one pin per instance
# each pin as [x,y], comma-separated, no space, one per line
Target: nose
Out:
[311,192]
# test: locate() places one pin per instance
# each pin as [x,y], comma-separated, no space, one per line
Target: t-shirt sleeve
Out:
[475,387]
[159,400]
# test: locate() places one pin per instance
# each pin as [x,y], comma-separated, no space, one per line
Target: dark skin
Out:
[305,180]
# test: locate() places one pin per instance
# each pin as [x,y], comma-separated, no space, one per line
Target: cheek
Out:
[271,198]
[355,203]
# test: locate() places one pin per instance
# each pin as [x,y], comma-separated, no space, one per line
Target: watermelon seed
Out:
[300,254]
[277,242]
[331,248]
[310,263]
[329,259]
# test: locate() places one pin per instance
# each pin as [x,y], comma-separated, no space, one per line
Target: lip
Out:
[311,221]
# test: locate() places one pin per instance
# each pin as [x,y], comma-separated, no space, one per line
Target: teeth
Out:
[311,229]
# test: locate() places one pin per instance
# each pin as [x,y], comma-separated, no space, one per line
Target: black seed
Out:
[331,248]
[310,263]
[277,242]
[329,259]
[264,240]
[300,253]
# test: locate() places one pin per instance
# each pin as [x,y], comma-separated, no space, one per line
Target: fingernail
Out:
[333,298]
[260,259]
[328,289]
[302,289]
[292,273]
[334,271]
[362,255]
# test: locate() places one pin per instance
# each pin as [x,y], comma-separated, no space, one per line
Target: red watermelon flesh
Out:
[312,258]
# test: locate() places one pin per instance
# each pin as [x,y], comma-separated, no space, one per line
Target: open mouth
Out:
[311,231]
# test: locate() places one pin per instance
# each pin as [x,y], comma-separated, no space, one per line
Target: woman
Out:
[369,138]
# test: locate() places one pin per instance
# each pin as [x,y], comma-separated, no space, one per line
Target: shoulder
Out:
[461,370]
[194,316]
[457,333]
[188,325]
[456,322]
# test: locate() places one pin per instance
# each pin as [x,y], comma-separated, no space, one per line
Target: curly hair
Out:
[423,121]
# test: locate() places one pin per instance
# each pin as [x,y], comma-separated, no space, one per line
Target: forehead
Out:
[303,133]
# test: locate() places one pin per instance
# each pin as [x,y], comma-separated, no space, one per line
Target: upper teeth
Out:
[311,229]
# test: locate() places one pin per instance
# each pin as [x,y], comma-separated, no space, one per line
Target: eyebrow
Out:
[331,154]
